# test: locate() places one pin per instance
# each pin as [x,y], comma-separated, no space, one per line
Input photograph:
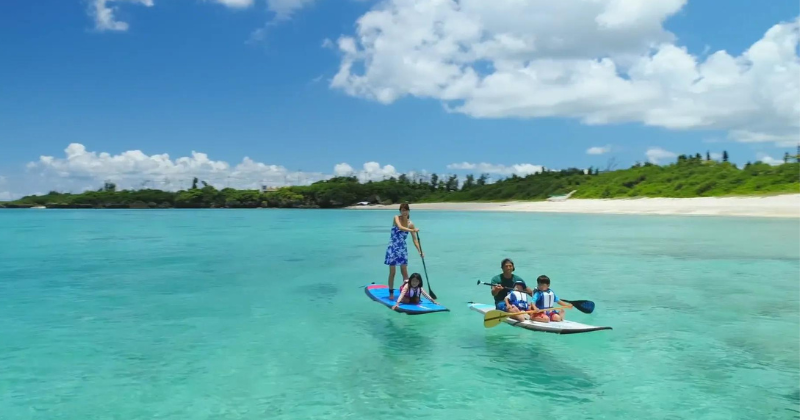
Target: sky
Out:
[245,93]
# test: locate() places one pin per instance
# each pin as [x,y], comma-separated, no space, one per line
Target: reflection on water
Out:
[318,292]
[534,369]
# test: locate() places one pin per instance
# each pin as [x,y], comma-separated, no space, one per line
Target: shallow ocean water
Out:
[261,314]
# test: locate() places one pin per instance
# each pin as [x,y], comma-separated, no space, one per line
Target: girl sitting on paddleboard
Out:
[411,291]
[544,298]
[518,299]
[397,252]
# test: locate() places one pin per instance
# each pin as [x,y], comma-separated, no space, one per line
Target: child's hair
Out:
[415,276]
[404,206]
[543,279]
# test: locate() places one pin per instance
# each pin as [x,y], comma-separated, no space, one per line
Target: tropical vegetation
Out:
[688,176]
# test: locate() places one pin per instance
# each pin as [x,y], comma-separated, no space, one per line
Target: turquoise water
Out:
[261,314]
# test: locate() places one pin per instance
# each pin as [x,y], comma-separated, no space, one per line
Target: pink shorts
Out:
[548,314]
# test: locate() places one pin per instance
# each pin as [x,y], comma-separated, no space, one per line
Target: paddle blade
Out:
[585,306]
[493,318]
[491,322]
[494,313]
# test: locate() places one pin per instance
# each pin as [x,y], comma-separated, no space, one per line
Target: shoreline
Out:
[772,206]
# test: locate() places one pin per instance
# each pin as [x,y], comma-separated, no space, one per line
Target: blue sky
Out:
[228,79]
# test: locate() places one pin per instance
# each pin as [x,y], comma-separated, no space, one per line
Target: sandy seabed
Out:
[784,206]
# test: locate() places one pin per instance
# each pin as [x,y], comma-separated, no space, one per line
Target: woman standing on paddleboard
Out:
[397,252]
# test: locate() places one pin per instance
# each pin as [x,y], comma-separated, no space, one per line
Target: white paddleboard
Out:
[562,327]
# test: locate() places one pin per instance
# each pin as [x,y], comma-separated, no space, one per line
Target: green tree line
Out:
[688,176]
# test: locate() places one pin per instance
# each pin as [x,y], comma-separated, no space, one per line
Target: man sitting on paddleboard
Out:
[504,282]
[411,291]
[517,298]
[544,298]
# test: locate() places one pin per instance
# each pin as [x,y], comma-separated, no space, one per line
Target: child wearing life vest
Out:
[545,298]
[518,299]
[411,291]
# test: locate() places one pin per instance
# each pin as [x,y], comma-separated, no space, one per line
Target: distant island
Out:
[689,176]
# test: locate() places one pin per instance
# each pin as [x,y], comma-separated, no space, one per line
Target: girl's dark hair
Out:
[404,206]
[415,276]
[543,279]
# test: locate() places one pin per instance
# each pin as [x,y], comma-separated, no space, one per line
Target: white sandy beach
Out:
[784,206]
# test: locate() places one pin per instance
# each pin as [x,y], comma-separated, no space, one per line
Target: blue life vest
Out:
[545,300]
[519,299]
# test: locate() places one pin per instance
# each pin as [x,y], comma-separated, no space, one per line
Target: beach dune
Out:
[784,206]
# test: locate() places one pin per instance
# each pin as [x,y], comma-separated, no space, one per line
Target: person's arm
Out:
[400,298]
[399,226]
[561,302]
[496,286]
[533,303]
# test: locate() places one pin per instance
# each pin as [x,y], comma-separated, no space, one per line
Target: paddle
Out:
[494,317]
[433,295]
[585,306]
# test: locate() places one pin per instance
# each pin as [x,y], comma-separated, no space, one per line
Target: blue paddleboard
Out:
[380,293]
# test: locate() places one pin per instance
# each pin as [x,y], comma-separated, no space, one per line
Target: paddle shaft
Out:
[433,295]
[490,284]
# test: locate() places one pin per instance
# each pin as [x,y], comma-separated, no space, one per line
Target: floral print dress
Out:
[397,252]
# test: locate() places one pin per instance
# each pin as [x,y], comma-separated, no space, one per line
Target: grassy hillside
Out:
[687,178]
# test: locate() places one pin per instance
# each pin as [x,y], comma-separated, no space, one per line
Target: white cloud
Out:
[600,61]
[598,150]
[781,140]
[371,171]
[763,157]
[104,18]
[81,169]
[284,9]
[343,169]
[235,4]
[715,156]
[520,169]
[657,154]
